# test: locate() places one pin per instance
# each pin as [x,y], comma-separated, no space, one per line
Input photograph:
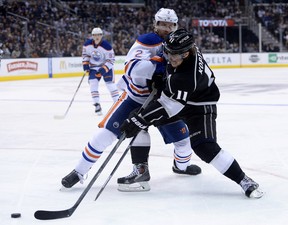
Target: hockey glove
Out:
[133,125]
[157,81]
[101,72]
[86,67]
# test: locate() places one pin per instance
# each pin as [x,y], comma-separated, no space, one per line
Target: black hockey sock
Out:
[235,172]
[140,154]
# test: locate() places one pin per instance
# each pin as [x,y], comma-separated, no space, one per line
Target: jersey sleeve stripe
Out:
[112,110]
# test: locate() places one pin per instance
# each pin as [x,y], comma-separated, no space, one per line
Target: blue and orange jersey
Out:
[97,56]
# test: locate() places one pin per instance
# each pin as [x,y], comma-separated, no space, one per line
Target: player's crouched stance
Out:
[191,93]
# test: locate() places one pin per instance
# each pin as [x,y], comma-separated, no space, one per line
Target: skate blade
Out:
[99,113]
[257,193]
[64,189]
[135,187]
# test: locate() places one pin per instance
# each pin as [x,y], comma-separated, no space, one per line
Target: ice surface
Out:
[36,151]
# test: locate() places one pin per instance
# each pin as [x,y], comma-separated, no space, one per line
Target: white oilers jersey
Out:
[98,55]
[138,67]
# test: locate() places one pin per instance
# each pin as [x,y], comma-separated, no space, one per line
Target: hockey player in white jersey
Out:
[98,60]
[142,64]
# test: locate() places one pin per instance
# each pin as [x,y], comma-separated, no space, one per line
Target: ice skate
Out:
[137,180]
[251,188]
[190,170]
[72,178]
[98,109]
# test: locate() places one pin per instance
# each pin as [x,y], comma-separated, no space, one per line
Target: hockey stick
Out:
[50,215]
[60,117]
[115,168]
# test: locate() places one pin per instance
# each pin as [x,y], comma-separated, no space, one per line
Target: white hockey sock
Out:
[182,153]
[83,166]
[92,152]
[113,90]
[222,161]
[94,83]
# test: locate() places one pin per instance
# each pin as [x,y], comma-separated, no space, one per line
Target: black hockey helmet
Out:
[178,42]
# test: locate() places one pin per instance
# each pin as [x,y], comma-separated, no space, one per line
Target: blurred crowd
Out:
[46,28]
[275,18]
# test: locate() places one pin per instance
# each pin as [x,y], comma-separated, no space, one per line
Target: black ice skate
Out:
[71,179]
[137,180]
[190,170]
[98,109]
[251,188]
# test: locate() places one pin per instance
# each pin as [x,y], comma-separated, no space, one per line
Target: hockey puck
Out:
[15,215]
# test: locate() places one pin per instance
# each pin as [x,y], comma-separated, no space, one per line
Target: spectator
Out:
[6,51]
[47,24]
[16,52]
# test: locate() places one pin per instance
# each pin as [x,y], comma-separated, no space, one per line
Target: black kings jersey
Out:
[190,84]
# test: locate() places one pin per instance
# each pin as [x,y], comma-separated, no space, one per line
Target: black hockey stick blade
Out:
[51,215]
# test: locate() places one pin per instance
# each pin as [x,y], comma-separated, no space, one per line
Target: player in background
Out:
[141,65]
[98,60]
[192,94]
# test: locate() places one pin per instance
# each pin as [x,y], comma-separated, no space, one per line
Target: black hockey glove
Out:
[133,125]
[157,81]
[157,78]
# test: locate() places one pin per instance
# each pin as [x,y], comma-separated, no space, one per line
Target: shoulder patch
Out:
[88,42]
[106,45]
[150,39]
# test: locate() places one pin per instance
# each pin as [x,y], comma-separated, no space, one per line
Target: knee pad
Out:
[207,151]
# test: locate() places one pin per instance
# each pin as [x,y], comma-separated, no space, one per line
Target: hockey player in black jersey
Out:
[191,93]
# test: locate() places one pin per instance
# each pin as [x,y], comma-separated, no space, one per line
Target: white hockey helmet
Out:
[166,15]
[97,30]
[165,22]
[97,34]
